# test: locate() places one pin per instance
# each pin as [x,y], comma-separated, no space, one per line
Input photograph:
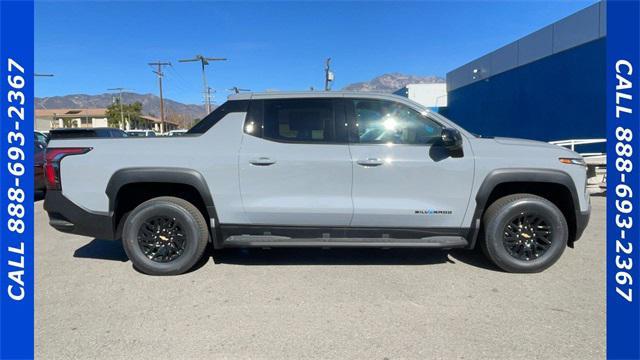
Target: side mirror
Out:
[451,139]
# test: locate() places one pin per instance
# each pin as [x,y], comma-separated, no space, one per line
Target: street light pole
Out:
[203,62]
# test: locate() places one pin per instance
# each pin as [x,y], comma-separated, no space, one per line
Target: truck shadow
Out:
[103,250]
[113,251]
[335,256]
[349,256]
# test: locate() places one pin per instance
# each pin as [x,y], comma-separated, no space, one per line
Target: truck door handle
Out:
[370,162]
[262,161]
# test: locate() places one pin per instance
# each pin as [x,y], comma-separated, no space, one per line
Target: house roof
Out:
[96,112]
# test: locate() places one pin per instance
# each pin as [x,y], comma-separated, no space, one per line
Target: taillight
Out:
[52,164]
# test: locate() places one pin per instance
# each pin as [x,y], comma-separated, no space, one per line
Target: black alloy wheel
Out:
[162,239]
[524,233]
[527,236]
[165,235]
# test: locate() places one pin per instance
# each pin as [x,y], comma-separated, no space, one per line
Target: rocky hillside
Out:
[392,82]
[150,103]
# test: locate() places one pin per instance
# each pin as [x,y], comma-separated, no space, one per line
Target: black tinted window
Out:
[299,120]
[253,122]
[71,134]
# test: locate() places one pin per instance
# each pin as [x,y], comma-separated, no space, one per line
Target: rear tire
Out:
[524,233]
[165,236]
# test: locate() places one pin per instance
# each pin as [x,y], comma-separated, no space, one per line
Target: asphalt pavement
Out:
[312,303]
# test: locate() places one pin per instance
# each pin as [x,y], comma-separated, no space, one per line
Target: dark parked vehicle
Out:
[39,181]
[40,136]
[74,133]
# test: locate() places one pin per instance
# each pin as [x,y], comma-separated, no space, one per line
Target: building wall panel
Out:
[554,98]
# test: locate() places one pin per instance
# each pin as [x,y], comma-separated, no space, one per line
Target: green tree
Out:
[68,123]
[131,112]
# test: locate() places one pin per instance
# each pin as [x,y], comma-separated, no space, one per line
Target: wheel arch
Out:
[554,185]
[159,181]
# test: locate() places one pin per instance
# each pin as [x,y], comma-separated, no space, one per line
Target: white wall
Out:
[99,122]
[42,124]
[430,95]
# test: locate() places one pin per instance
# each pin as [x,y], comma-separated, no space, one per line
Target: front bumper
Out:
[582,219]
[66,216]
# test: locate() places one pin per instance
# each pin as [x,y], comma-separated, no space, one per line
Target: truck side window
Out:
[383,122]
[299,120]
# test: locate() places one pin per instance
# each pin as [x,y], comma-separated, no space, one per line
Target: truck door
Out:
[401,177]
[294,163]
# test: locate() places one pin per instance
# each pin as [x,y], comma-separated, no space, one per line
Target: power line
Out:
[158,72]
[180,77]
[180,81]
[204,61]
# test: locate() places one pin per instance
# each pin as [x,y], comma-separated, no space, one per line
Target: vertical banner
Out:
[623,178]
[16,182]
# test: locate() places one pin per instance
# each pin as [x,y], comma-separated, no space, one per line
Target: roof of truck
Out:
[345,94]
[312,94]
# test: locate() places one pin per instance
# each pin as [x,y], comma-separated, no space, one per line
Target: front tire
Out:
[165,236]
[524,233]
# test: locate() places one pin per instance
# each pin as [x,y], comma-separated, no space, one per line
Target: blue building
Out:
[549,85]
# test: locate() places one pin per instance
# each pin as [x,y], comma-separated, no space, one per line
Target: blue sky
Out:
[92,46]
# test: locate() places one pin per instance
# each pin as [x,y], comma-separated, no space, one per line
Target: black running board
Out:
[266,241]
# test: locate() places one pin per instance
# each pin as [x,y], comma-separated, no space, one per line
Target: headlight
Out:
[573,161]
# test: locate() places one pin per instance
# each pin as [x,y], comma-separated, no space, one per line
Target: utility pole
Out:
[328,75]
[158,72]
[45,99]
[204,61]
[43,75]
[210,91]
[120,101]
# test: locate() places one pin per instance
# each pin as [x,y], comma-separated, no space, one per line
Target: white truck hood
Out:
[539,144]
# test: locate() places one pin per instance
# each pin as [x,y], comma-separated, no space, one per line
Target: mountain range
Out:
[151,103]
[391,82]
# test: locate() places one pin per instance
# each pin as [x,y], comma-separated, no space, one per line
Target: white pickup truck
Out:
[324,169]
